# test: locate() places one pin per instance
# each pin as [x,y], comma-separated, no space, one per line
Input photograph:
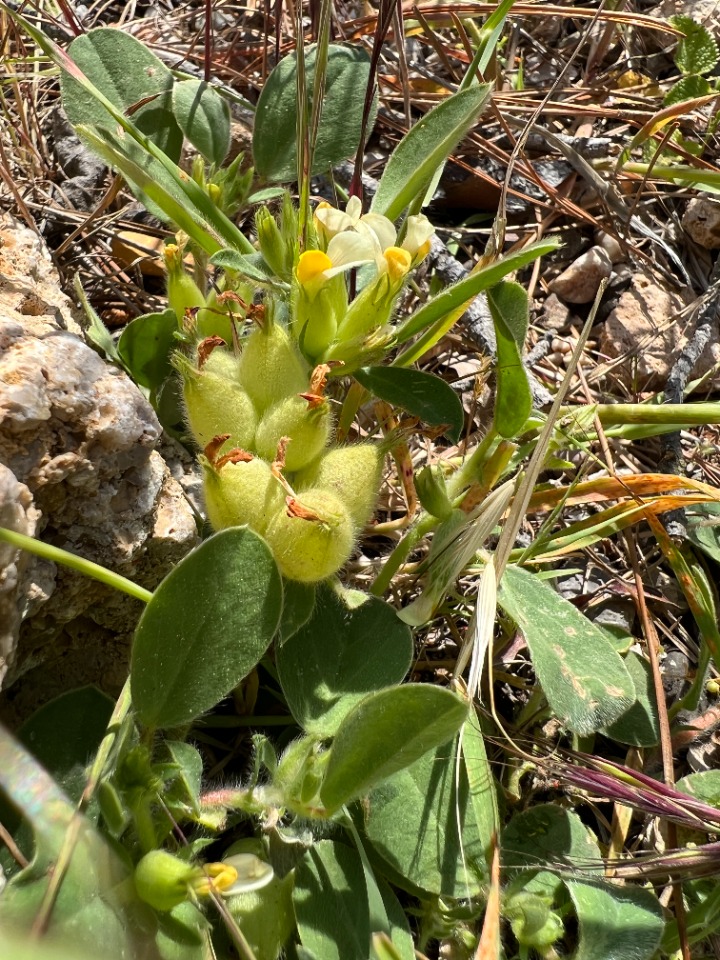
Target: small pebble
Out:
[556,314]
[701,221]
[610,245]
[582,279]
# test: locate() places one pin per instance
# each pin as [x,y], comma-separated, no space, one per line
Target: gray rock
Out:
[79,469]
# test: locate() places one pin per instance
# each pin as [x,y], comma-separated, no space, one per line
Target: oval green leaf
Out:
[422,394]
[509,306]
[625,923]
[585,681]
[330,903]
[386,732]
[430,142]
[146,345]
[423,822]
[548,835]
[340,656]
[639,727]
[207,625]
[274,138]
[127,73]
[204,118]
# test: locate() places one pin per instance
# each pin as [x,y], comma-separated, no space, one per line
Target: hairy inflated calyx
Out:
[241,489]
[216,403]
[312,537]
[305,420]
[271,367]
[353,473]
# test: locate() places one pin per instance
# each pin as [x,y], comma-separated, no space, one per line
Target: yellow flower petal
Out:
[217,877]
[311,264]
[398,262]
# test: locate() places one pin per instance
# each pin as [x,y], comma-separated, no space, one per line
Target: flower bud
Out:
[183,293]
[162,880]
[316,308]
[432,492]
[533,923]
[312,538]
[272,244]
[241,491]
[271,367]
[352,473]
[305,420]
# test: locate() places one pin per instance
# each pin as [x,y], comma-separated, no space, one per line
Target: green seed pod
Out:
[353,473]
[306,423]
[271,367]
[215,405]
[162,879]
[265,916]
[242,492]
[312,538]
[183,293]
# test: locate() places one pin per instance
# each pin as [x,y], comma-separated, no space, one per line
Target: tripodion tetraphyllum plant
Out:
[254,393]
[277,335]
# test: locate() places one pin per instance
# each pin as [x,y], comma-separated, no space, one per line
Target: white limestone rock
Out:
[79,469]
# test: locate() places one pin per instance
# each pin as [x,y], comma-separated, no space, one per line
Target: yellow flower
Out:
[345,251]
[417,237]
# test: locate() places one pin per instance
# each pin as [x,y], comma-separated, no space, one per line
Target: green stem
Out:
[424,525]
[675,414]
[73,562]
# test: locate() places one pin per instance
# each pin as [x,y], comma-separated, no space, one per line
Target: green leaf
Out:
[704,529]
[189,777]
[625,923]
[385,732]
[330,903]
[199,205]
[207,625]
[547,835]
[338,657]
[422,394]
[639,726]
[423,822]
[126,72]
[182,933]
[19,947]
[96,333]
[704,786]
[145,347]
[274,146]
[698,51]
[687,88]
[298,604]
[65,734]
[510,309]
[248,266]
[400,935]
[464,291]
[152,184]
[585,681]
[413,162]
[204,118]
[481,785]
